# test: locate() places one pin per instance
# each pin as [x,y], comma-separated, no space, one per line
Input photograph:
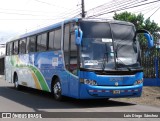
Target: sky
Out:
[22,16]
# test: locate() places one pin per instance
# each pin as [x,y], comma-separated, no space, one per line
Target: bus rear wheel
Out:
[57,90]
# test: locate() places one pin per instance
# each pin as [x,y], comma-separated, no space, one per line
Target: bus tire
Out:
[57,90]
[16,85]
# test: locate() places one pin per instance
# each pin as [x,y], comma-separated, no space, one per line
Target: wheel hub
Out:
[57,89]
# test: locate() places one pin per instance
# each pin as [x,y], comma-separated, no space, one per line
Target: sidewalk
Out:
[3,82]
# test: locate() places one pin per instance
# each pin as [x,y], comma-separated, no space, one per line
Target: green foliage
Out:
[151,26]
[138,21]
[127,16]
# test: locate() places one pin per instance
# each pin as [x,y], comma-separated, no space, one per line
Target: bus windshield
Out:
[109,46]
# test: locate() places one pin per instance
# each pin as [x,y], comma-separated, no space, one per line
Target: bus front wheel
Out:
[56,90]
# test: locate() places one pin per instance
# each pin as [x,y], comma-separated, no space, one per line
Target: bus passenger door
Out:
[70,58]
[73,66]
[65,75]
[8,62]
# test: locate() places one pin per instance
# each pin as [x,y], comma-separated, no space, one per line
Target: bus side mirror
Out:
[78,36]
[149,39]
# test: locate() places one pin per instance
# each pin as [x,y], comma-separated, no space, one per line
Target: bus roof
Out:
[109,21]
[45,29]
[66,21]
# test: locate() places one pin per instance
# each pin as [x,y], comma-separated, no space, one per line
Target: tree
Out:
[138,21]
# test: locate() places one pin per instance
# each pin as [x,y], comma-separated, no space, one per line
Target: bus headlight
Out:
[89,82]
[138,82]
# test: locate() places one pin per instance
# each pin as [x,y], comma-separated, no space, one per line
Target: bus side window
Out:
[15,47]
[22,46]
[39,43]
[51,40]
[70,49]
[57,39]
[73,54]
[27,44]
[32,44]
[10,48]
[66,46]
[42,42]
[7,48]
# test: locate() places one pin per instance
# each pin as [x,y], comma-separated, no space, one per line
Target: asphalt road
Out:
[30,100]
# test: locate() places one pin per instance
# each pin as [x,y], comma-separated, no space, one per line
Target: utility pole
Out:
[83,12]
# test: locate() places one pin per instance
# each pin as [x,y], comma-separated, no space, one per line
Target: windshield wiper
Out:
[104,57]
[104,60]
[121,62]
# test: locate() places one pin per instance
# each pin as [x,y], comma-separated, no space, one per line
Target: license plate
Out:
[116,91]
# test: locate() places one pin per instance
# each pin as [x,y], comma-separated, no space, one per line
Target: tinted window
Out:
[57,39]
[42,42]
[15,47]
[32,44]
[7,49]
[66,45]
[10,48]
[66,38]
[73,50]
[51,40]
[95,29]
[27,45]
[22,46]
[126,32]
[73,45]
[72,27]
[39,42]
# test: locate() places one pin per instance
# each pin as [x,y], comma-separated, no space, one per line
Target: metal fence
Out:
[150,62]
[151,65]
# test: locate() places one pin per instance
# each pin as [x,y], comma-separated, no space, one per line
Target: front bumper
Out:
[91,92]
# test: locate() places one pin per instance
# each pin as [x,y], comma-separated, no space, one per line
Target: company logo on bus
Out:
[116,83]
[116,79]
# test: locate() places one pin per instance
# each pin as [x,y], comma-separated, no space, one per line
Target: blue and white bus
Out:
[79,58]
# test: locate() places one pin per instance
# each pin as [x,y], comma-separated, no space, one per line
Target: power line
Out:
[124,8]
[120,4]
[147,8]
[26,14]
[57,17]
[108,5]
[51,4]
[24,10]
[154,13]
[101,6]
[60,15]
[46,24]
[35,11]
[71,12]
